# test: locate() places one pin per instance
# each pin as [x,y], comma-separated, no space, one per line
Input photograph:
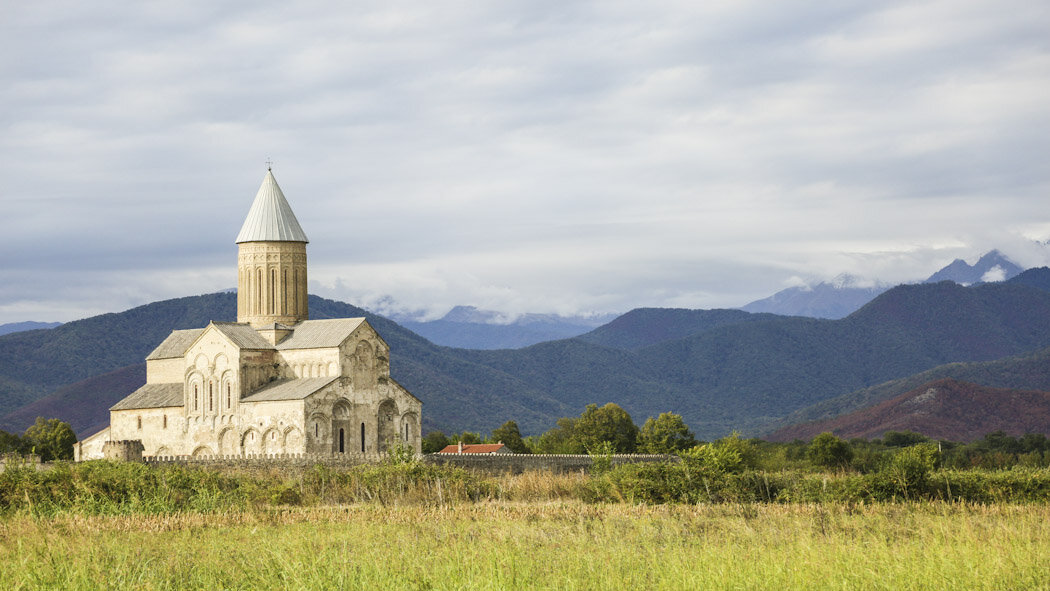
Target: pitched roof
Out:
[474,448]
[270,218]
[152,396]
[292,389]
[242,335]
[176,344]
[314,334]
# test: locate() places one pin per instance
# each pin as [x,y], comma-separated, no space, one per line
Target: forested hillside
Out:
[720,369]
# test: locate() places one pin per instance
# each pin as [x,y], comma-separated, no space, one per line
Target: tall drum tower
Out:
[271,261]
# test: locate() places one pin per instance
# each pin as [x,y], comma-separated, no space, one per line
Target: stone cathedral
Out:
[274,382]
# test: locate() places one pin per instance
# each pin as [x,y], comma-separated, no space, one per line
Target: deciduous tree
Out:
[608,423]
[51,439]
[666,434]
[509,434]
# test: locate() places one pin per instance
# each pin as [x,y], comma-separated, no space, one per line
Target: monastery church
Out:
[274,382]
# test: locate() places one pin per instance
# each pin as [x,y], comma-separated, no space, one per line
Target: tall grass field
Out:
[101,525]
[557,545]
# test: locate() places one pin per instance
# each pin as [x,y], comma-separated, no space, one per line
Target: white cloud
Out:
[539,156]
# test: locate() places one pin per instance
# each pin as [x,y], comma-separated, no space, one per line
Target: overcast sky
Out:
[543,156]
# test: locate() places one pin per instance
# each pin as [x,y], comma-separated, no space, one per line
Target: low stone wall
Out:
[518,463]
[270,461]
[17,461]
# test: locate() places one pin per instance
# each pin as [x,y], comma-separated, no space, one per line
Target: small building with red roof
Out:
[476,448]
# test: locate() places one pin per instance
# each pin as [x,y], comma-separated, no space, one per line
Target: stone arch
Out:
[202,451]
[317,427]
[386,430]
[341,434]
[409,430]
[227,397]
[228,442]
[221,361]
[201,363]
[163,451]
[194,392]
[272,441]
[293,440]
[251,441]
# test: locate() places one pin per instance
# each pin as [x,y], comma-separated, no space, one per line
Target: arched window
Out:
[342,441]
[284,291]
[165,421]
[317,429]
[140,423]
[211,398]
[228,390]
[195,397]
[362,438]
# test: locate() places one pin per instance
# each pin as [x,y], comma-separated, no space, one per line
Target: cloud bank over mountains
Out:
[554,157]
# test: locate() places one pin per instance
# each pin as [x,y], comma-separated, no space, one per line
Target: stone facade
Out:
[274,382]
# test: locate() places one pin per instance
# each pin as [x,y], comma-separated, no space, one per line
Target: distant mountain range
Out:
[722,370]
[23,326]
[467,327]
[943,409]
[843,296]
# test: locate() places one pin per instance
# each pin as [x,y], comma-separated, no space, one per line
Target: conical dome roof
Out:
[271,219]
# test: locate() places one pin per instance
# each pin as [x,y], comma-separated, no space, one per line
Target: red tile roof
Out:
[474,448]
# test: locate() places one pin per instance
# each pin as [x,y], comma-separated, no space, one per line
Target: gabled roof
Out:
[270,218]
[152,396]
[475,448]
[242,335]
[293,389]
[316,334]
[176,344]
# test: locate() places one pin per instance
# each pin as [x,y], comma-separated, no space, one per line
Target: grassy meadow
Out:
[554,545]
[100,525]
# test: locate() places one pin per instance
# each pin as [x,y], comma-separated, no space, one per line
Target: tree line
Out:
[610,429]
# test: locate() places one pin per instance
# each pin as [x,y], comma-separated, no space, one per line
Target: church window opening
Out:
[195,397]
[165,426]
[317,429]
[140,423]
[211,398]
[284,291]
[362,438]
[228,390]
[342,441]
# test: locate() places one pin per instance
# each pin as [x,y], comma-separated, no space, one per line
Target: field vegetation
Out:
[554,545]
[714,520]
[901,512]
